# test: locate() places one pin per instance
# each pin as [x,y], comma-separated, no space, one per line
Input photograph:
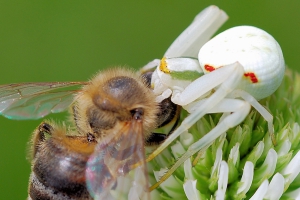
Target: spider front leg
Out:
[239,109]
[264,113]
[150,66]
[227,78]
[251,100]
[205,24]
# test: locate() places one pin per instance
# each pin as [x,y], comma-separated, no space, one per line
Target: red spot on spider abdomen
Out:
[209,68]
[251,76]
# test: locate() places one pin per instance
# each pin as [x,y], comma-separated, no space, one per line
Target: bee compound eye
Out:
[147,78]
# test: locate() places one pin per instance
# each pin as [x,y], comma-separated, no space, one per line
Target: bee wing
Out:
[35,100]
[113,158]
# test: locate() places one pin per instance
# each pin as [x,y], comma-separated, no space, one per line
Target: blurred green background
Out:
[72,40]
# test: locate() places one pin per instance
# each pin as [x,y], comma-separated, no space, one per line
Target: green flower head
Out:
[242,163]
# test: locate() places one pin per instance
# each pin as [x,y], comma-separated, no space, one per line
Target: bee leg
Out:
[45,128]
[156,139]
[40,136]
[172,114]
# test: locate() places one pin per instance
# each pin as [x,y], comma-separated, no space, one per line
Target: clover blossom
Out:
[242,163]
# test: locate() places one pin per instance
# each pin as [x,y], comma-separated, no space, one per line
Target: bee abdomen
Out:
[38,191]
[58,169]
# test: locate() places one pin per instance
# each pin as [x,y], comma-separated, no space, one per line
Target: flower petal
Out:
[190,190]
[261,191]
[234,153]
[222,182]
[291,171]
[217,161]
[266,170]
[275,188]
[247,178]
[177,150]
[186,139]
[293,194]
[188,170]
[171,186]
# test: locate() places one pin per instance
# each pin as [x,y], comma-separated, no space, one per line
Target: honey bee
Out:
[114,116]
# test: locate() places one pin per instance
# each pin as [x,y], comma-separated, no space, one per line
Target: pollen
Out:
[251,76]
[163,66]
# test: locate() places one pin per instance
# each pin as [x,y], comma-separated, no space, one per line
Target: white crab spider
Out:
[241,65]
